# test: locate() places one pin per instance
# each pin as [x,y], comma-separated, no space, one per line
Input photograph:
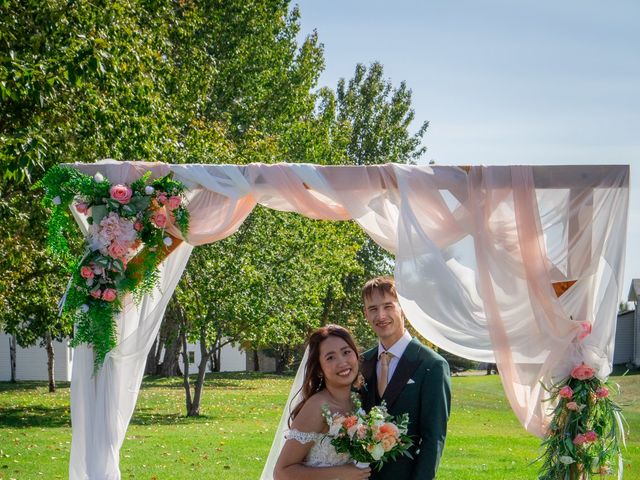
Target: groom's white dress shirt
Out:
[397,349]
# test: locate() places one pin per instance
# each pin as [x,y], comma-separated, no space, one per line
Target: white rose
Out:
[98,177]
[168,241]
[56,200]
[84,308]
[377,451]
[567,460]
[149,190]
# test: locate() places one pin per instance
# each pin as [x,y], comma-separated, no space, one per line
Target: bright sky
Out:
[503,82]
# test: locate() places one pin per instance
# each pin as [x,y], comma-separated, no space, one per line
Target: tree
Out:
[140,80]
[31,281]
[380,117]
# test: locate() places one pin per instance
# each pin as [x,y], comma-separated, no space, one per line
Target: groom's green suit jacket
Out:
[421,387]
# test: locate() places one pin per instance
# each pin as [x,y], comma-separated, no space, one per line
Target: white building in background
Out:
[232,359]
[31,362]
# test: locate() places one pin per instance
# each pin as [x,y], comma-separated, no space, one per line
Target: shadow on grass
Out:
[29,385]
[226,380]
[36,416]
[150,416]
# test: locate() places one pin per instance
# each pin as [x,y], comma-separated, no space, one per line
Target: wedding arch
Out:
[482,255]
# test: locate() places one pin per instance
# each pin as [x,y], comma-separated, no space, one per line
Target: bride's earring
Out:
[321,377]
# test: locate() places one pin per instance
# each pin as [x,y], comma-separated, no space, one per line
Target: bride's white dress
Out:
[322,453]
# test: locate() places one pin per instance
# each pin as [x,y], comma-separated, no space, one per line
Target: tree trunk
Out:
[256,361]
[50,361]
[12,357]
[282,356]
[185,374]
[170,339]
[194,411]
[151,366]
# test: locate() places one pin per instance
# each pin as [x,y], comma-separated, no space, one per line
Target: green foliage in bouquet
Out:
[374,438]
[585,434]
[124,246]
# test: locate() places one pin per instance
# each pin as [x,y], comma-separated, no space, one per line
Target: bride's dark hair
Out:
[313,376]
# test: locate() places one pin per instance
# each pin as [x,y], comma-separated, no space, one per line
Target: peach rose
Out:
[121,193]
[388,443]
[566,392]
[583,372]
[97,293]
[138,226]
[162,198]
[86,272]
[350,421]
[602,392]
[159,219]
[386,430]
[109,295]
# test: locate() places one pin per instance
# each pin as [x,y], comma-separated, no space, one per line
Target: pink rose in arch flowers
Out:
[579,439]
[583,372]
[585,330]
[159,219]
[109,295]
[86,272]
[97,293]
[591,436]
[82,207]
[573,406]
[566,392]
[162,198]
[602,392]
[121,193]
[173,202]
[117,250]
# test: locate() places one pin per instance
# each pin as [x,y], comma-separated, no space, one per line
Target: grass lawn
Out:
[240,412]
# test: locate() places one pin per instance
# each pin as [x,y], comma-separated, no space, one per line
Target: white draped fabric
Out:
[476,254]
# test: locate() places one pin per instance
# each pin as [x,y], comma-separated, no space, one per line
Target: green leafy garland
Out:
[126,242]
[586,431]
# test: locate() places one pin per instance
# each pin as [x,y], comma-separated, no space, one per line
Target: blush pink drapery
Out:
[476,255]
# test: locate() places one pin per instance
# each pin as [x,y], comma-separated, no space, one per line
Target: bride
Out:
[331,369]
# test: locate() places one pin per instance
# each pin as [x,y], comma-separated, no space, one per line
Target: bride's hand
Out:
[351,472]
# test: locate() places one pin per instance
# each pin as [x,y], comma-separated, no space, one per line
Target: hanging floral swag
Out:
[586,431]
[126,242]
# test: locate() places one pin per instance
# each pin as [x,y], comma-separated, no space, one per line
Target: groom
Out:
[410,378]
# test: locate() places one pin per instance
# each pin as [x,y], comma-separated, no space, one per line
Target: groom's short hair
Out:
[384,284]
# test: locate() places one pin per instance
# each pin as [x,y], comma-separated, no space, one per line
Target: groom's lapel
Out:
[368,370]
[407,364]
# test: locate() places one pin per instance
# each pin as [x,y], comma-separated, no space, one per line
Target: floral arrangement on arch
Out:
[126,242]
[373,438]
[586,431]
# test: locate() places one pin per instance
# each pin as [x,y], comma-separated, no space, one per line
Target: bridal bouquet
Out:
[370,438]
